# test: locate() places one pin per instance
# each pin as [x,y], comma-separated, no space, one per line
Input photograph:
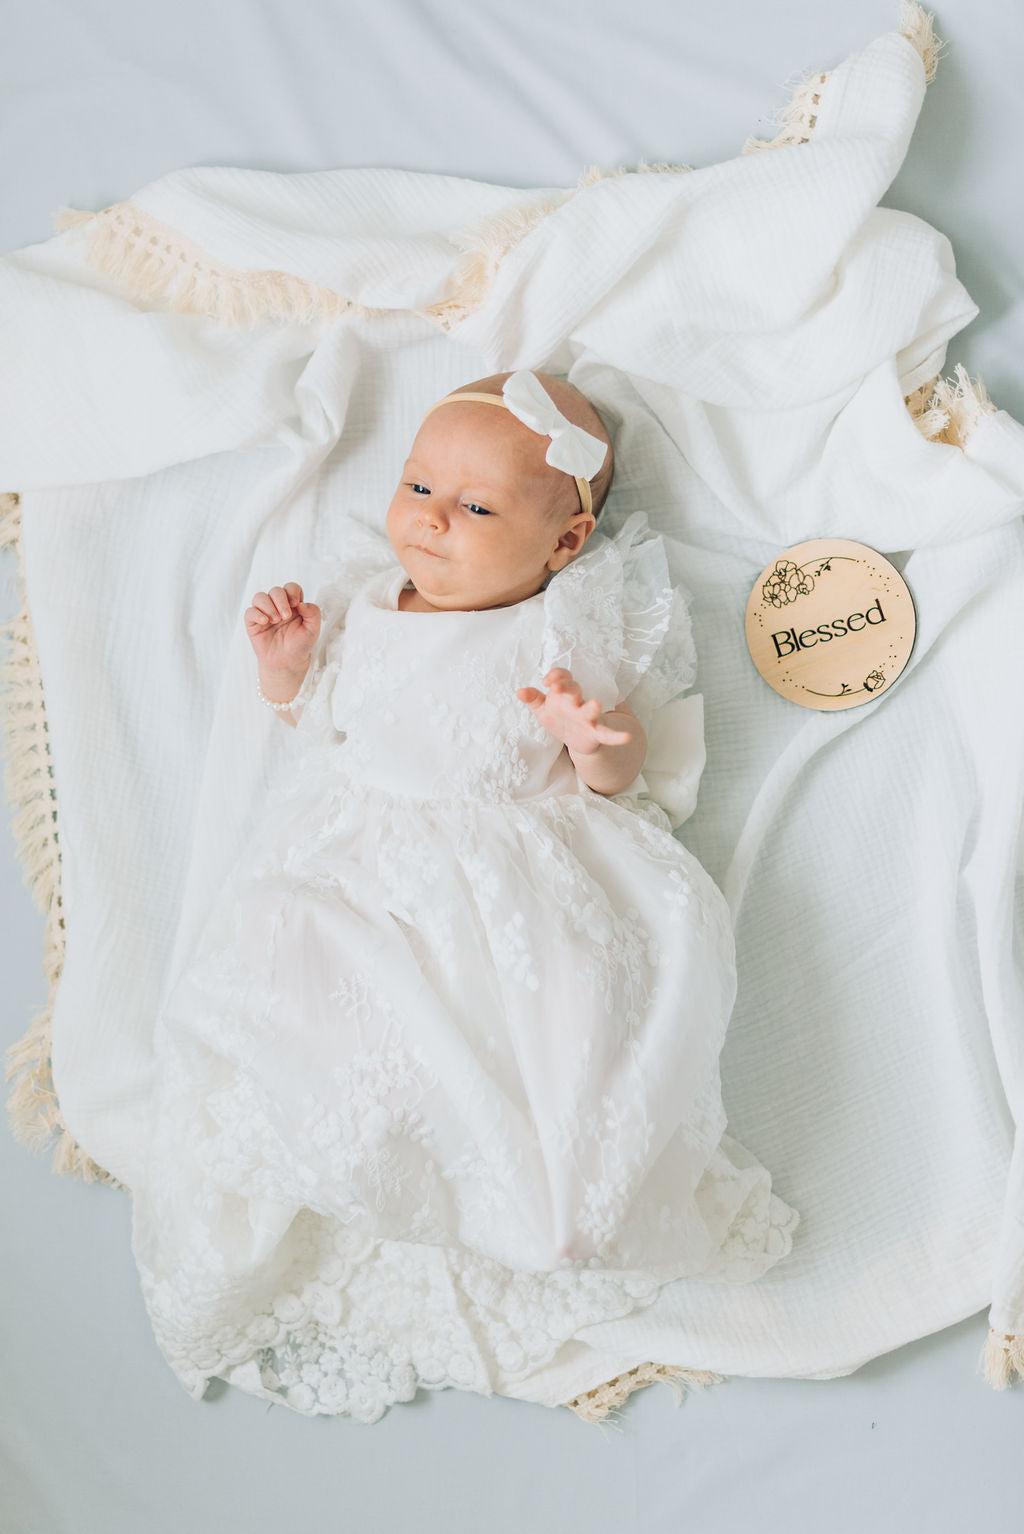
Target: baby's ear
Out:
[576,534]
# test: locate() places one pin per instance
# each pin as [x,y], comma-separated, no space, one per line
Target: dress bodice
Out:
[424,705]
[427,701]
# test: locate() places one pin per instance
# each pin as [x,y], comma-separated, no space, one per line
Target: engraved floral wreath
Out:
[786,583]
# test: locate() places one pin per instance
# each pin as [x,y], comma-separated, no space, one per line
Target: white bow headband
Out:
[573,450]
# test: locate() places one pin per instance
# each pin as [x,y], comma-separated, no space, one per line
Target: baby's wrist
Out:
[280,684]
[284,673]
[591,748]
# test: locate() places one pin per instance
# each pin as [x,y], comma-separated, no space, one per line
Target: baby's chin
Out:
[449,589]
[452,600]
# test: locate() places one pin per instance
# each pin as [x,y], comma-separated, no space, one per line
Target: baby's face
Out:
[479,518]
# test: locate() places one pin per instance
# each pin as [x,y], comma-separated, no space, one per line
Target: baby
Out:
[465,990]
[481,519]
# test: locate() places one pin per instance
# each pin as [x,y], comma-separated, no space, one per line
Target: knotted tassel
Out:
[595,1405]
[1001,1358]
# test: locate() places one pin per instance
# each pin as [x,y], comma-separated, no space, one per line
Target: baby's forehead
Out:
[472,424]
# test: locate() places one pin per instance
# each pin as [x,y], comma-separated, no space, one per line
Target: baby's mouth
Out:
[420,549]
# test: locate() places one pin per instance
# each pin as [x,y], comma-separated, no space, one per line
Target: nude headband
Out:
[573,450]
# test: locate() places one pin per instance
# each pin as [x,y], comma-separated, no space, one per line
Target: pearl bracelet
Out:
[267,701]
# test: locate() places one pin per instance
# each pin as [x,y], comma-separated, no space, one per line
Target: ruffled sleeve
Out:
[614,618]
[337,578]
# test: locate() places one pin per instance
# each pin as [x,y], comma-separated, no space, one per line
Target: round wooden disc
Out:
[830,623]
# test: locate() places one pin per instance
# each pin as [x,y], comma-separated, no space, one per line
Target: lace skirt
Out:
[482,1035]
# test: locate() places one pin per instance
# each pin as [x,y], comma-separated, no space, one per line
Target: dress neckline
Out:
[385,599]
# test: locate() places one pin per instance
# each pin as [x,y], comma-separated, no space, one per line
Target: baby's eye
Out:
[471,506]
[420,489]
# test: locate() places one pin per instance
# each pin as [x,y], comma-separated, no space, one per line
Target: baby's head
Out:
[480,518]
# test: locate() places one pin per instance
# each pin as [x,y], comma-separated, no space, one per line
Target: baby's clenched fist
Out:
[282,628]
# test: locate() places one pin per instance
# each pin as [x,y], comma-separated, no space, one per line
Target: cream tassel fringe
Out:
[31,794]
[1001,1357]
[159,265]
[483,247]
[795,121]
[916,26]
[595,1405]
[948,409]
[645,167]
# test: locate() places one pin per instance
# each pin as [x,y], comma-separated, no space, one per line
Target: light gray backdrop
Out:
[99,97]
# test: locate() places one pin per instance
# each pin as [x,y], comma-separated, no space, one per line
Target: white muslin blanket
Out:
[204,386]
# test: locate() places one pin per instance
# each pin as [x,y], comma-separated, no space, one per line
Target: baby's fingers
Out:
[529,695]
[262,611]
[560,680]
[278,605]
[611,737]
[279,596]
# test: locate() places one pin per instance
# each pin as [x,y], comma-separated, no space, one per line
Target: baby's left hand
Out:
[577,724]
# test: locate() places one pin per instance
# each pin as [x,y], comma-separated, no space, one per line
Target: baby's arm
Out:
[607,749]
[282,629]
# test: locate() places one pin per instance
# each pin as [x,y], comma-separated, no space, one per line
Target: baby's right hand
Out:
[282,628]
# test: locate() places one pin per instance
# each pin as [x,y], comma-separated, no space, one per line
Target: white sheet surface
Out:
[498,39]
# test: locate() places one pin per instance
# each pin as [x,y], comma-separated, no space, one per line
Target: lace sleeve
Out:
[658,661]
[583,620]
[616,620]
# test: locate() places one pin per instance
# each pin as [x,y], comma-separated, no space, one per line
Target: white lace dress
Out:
[441,1084]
